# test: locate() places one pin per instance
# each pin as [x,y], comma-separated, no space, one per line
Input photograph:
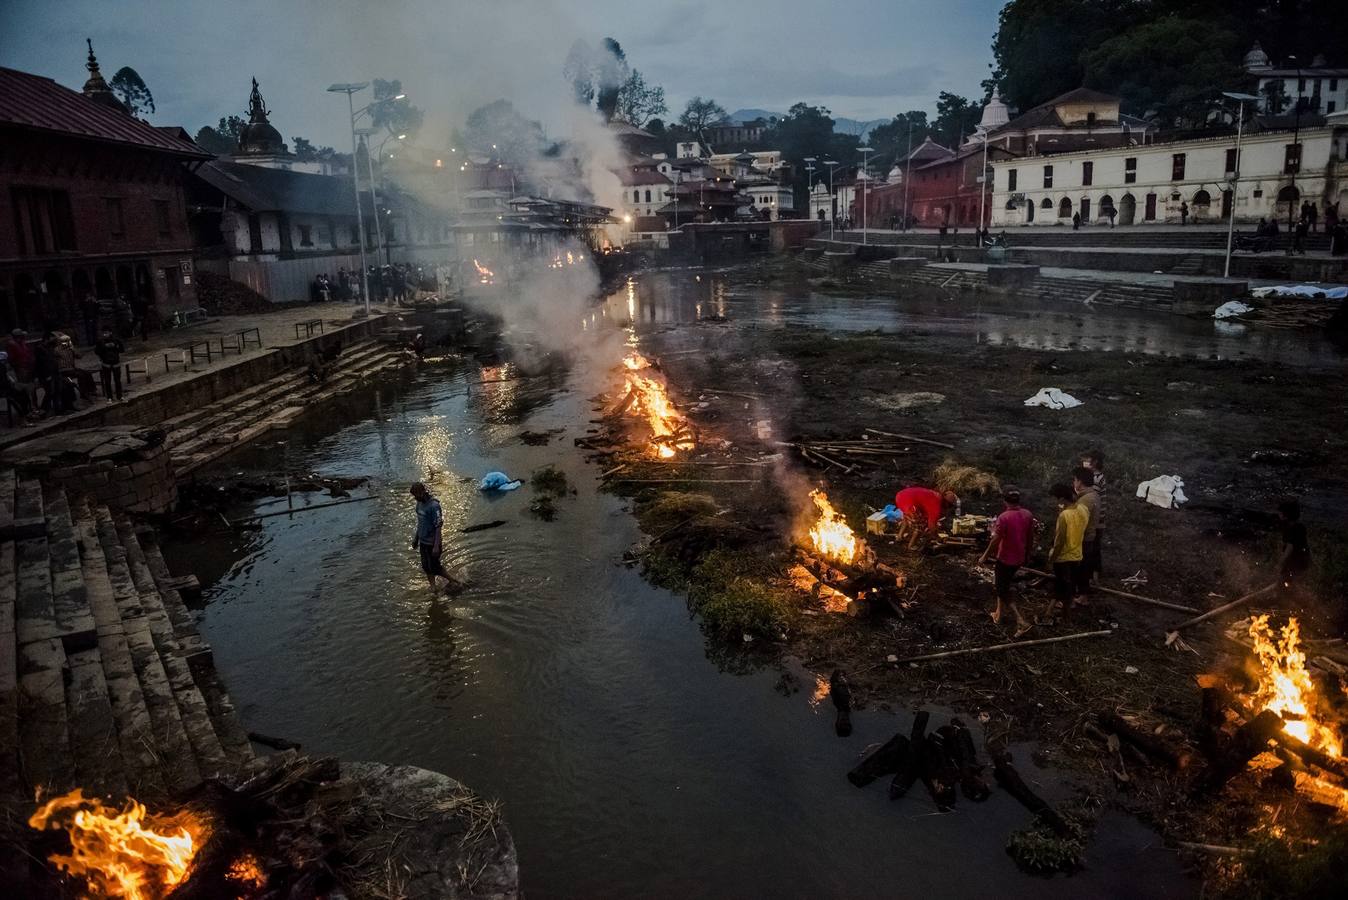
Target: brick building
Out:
[91,200]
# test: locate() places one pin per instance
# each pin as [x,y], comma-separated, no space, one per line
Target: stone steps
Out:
[105,683]
[226,424]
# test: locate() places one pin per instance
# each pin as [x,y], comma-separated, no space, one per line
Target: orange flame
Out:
[247,871]
[484,274]
[651,402]
[1285,686]
[830,535]
[122,854]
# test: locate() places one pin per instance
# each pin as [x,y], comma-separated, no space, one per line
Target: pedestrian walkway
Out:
[165,362]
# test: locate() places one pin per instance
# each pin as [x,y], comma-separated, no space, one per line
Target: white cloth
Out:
[1165,491]
[1230,309]
[1053,399]
[1302,290]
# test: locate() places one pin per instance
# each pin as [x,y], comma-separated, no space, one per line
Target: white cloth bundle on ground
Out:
[1165,491]
[1230,309]
[1053,399]
[1312,291]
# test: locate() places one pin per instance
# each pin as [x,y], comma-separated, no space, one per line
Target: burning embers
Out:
[830,535]
[1285,686]
[126,853]
[648,399]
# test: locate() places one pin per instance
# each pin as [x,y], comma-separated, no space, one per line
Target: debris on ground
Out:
[965,480]
[1165,491]
[1053,398]
[498,481]
[1231,309]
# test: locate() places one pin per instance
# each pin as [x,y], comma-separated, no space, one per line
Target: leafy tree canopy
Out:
[498,129]
[223,139]
[700,113]
[397,116]
[637,101]
[127,84]
[956,119]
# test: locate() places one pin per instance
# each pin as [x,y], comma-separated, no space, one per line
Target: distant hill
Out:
[841,124]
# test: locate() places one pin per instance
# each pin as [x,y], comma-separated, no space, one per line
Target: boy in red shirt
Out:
[1012,536]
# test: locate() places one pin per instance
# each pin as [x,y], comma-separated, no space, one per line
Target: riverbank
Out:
[725,535]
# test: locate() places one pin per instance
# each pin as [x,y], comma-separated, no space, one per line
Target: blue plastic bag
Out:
[498,481]
[892,513]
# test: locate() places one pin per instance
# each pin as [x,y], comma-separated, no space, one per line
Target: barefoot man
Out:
[1012,533]
[430,522]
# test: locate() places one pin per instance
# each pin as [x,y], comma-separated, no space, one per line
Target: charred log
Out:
[840,691]
[1249,741]
[1152,747]
[886,760]
[912,768]
[1007,776]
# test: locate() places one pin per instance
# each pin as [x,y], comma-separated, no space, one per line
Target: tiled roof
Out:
[278,190]
[1046,114]
[33,102]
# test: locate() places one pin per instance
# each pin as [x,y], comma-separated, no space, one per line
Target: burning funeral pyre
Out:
[122,853]
[647,399]
[838,567]
[1284,723]
[484,275]
[300,827]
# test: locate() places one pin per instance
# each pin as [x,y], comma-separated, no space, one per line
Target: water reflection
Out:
[566,685]
[681,297]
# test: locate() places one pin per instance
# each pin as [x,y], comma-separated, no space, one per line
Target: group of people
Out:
[394,283]
[39,378]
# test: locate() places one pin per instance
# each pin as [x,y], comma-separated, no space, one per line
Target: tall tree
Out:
[127,84]
[497,129]
[637,101]
[1173,68]
[1039,42]
[611,72]
[956,118]
[891,140]
[700,113]
[398,116]
[223,139]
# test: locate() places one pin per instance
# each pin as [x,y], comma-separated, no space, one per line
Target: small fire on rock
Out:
[127,853]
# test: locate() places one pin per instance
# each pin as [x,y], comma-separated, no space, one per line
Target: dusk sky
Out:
[866,59]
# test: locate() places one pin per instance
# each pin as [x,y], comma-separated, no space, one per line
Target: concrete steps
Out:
[207,434]
[104,680]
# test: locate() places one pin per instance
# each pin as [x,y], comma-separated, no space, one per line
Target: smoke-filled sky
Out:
[863,59]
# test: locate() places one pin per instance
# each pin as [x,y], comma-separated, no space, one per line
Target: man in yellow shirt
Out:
[1066,554]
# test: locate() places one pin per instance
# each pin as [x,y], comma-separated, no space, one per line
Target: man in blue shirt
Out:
[427,540]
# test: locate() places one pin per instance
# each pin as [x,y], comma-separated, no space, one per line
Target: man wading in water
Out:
[427,540]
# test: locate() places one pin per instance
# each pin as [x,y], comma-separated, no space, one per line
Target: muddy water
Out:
[633,758]
[681,296]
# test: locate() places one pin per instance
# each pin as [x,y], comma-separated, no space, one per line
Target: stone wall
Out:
[125,467]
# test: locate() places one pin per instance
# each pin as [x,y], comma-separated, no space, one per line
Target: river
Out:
[633,757]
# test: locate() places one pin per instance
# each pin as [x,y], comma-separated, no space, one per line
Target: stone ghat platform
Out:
[105,682]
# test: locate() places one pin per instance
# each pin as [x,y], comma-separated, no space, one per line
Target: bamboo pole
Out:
[1009,646]
[909,437]
[688,480]
[291,512]
[1178,607]
[1225,607]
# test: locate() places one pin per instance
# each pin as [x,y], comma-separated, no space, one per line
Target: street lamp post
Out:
[349,90]
[809,185]
[907,170]
[982,182]
[1292,196]
[1235,176]
[374,196]
[866,171]
[832,198]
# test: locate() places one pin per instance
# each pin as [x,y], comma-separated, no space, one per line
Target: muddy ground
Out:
[1243,435]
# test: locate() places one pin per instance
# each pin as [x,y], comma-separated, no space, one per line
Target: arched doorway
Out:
[104,289]
[1202,205]
[1288,197]
[27,303]
[1065,208]
[55,299]
[1127,209]
[1085,210]
[1107,210]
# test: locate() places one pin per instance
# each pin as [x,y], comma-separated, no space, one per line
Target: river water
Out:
[633,757]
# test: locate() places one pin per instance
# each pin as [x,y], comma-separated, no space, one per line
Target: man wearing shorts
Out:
[427,540]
